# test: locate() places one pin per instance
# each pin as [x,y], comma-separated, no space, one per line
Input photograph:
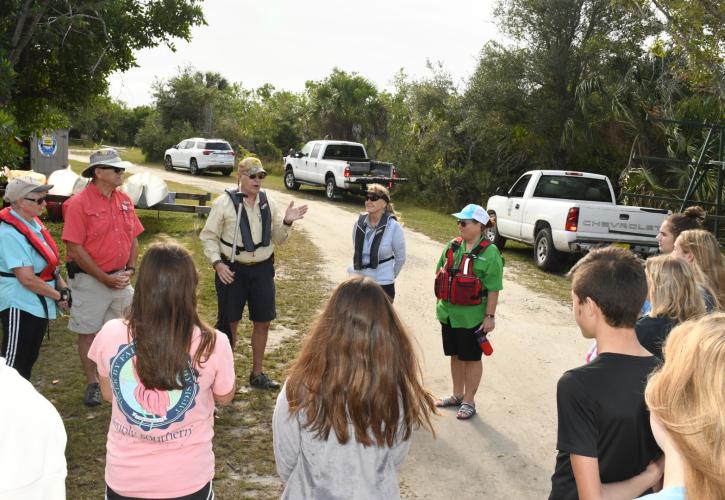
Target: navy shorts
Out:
[461,342]
[253,285]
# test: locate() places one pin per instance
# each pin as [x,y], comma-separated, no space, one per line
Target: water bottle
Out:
[483,342]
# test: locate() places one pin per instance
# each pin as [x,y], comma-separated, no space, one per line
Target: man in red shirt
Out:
[100,233]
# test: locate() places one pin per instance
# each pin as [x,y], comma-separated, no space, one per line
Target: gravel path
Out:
[507,451]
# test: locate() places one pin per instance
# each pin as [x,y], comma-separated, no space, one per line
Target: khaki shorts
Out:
[94,303]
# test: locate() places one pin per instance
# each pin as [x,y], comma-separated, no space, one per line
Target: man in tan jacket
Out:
[247,223]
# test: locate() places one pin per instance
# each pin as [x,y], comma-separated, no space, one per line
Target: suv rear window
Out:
[344,151]
[218,146]
[567,187]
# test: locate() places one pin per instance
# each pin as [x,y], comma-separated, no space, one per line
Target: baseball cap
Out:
[251,166]
[105,156]
[20,187]
[473,212]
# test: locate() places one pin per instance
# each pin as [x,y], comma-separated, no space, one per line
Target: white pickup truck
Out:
[561,212]
[336,165]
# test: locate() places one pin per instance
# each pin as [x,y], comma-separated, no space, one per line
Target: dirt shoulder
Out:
[508,449]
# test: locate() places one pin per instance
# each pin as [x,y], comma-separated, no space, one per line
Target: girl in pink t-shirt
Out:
[163,369]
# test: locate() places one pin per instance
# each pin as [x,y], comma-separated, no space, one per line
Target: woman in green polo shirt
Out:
[462,308]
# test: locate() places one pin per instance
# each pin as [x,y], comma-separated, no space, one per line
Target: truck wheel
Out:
[194,167]
[227,172]
[493,235]
[167,164]
[330,188]
[289,180]
[547,257]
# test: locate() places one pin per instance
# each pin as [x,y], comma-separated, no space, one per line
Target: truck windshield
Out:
[569,187]
[344,151]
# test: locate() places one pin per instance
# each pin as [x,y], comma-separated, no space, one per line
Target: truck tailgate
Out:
[619,223]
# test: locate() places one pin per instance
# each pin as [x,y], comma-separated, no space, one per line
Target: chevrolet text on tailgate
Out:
[560,212]
[336,165]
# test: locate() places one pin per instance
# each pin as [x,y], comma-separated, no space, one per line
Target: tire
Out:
[167,164]
[289,180]
[546,257]
[227,172]
[194,167]
[493,235]
[330,188]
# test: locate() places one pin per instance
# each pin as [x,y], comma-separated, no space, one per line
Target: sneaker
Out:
[262,381]
[93,395]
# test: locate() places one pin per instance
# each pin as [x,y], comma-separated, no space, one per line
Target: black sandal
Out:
[447,401]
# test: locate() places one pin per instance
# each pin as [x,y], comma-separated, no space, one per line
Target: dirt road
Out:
[507,451]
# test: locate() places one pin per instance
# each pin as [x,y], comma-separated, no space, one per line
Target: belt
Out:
[367,266]
[76,269]
[236,262]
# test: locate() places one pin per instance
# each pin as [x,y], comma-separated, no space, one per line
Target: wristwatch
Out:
[492,316]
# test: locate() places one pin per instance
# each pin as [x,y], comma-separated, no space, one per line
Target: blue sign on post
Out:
[48,145]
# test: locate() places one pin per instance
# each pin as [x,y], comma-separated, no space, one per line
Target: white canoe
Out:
[63,182]
[146,189]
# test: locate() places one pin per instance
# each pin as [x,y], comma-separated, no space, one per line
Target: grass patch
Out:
[243,440]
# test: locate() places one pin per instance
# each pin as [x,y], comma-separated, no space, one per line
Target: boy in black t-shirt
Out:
[606,447]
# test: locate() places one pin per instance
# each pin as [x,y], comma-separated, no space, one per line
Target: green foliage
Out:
[60,52]
[346,106]
[105,121]
[10,152]
[154,139]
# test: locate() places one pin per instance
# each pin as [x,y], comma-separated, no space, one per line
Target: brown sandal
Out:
[447,401]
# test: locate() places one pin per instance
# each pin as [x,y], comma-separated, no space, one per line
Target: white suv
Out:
[199,155]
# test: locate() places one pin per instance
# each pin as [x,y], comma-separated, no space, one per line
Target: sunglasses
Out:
[464,223]
[118,170]
[258,175]
[39,201]
[374,197]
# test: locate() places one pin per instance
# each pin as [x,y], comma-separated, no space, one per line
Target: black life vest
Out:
[248,244]
[360,229]
[459,285]
[49,252]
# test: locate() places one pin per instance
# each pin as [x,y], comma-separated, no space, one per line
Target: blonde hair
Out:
[705,249]
[247,163]
[383,191]
[686,394]
[672,288]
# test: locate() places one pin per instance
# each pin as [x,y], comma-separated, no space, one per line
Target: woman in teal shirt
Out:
[460,316]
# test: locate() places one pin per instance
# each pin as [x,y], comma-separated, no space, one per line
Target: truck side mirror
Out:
[501,191]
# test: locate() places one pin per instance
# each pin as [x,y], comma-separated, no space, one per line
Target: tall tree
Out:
[346,106]
[60,52]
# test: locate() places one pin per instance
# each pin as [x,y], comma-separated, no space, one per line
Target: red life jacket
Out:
[51,255]
[460,286]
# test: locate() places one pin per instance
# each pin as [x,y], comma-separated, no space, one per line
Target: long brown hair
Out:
[686,395]
[358,366]
[672,288]
[163,315]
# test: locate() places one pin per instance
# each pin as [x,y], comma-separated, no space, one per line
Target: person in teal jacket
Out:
[459,318]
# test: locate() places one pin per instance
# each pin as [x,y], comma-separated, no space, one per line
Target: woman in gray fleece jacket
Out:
[343,419]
